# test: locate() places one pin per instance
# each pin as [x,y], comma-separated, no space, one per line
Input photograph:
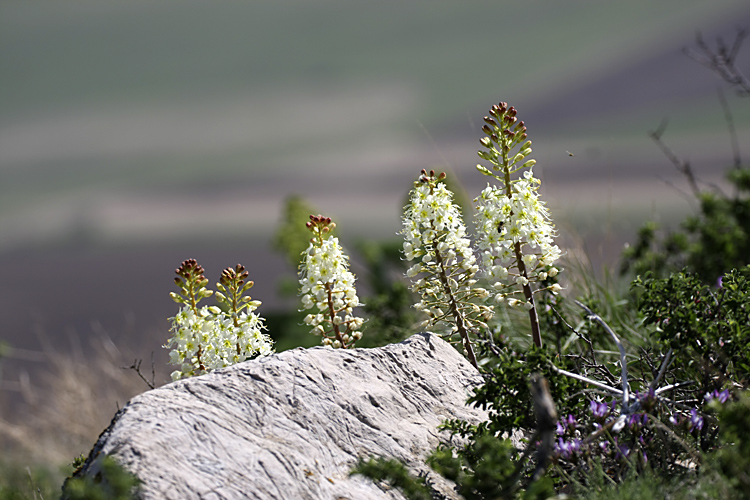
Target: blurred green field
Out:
[146,104]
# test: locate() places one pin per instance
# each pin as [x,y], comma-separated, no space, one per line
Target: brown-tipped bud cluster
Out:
[319,220]
[503,132]
[190,270]
[192,282]
[320,225]
[238,274]
[498,110]
[428,178]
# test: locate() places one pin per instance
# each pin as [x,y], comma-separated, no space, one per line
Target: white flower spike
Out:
[445,265]
[516,233]
[206,338]
[327,287]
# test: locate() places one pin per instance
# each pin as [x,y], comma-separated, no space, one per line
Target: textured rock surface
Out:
[292,425]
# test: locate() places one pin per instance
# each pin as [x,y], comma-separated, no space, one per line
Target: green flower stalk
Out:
[210,337]
[516,235]
[445,267]
[327,287]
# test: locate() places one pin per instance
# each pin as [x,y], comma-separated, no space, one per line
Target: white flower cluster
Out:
[505,221]
[209,338]
[443,274]
[327,287]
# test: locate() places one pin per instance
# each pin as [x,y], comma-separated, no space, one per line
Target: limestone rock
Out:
[293,424]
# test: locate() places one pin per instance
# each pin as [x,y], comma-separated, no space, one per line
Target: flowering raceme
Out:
[209,337]
[327,287]
[519,218]
[516,233]
[445,266]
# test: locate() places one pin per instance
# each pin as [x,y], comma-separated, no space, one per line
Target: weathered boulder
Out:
[292,425]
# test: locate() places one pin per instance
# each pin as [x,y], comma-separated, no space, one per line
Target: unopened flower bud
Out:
[484,170]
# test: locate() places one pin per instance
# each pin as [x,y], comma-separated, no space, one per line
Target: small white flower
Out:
[414,270]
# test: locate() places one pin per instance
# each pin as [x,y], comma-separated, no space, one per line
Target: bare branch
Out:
[662,369]
[722,61]
[682,166]
[732,131]
[623,361]
[607,388]
[136,366]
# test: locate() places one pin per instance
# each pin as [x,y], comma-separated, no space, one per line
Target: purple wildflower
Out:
[560,429]
[566,424]
[647,399]
[568,449]
[570,422]
[622,451]
[637,420]
[696,421]
[722,396]
[600,410]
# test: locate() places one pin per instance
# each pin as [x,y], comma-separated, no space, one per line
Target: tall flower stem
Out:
[457,315]
[333,313]
[536,335]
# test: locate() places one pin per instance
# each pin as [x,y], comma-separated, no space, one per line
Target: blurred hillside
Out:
[135,134]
